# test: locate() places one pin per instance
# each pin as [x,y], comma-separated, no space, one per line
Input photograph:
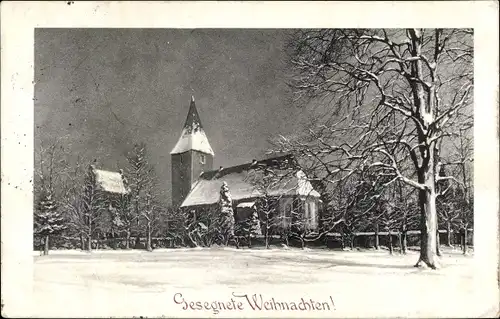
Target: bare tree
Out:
[123,218]
[273,182]
[396,213]
[407,206]
[388,217]
[463,160]
[267,207]
[446,204]
[152,214]
[85,206]
[334,211]
[455,199]
[266,180]
[72,201]
[388,97]
[355,207]
[302,226]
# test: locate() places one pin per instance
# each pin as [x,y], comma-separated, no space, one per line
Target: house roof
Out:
[193,136]
[246,205]
[112,182]
[245,181]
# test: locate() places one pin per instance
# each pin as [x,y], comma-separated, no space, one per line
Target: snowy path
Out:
[361,284]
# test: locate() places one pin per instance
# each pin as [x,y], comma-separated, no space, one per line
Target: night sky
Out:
[102,90]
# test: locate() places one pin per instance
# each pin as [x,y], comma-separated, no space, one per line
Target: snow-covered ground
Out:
[360,283]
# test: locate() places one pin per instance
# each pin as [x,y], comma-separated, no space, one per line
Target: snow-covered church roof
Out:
[193,136]
[243,182]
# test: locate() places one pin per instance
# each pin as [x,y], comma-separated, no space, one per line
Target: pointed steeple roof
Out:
[193,136]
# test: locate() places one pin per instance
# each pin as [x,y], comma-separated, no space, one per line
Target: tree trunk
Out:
[390,243]
[137,241]
[448,233]
[342,243]
[428,221]
[465,241]
[400,242]
[438,251]
[110,238]
[426,171]
[351,244]
[267,237]
[89,242]
[377,239]
[404,242]
[82,242]
[249,239]
[46,246]
[127,243]
[148,237]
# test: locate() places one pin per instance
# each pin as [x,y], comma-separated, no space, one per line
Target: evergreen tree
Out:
[249,227]
[141,182]
[49,221]
[226,216]
[254,226]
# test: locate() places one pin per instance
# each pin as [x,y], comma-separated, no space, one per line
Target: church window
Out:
[202,159]
[286,212]
[310,214]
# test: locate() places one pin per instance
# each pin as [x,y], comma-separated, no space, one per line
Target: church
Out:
[196,185]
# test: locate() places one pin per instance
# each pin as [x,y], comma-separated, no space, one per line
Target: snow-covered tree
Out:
[48,187]
[123,217]
[395,213]
[326,214]
[86,206]
[175,225]
[386,98]
[151,214]
[204,227]
[226,215]
[253,226]
[49,220]
[461,164]
[265,179]
[300,224]
[141,180]
[406,205]
[249,227]
[267,207]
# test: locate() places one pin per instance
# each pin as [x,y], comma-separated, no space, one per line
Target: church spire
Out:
[193,136]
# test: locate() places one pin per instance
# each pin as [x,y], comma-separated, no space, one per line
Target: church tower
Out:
[191,156]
